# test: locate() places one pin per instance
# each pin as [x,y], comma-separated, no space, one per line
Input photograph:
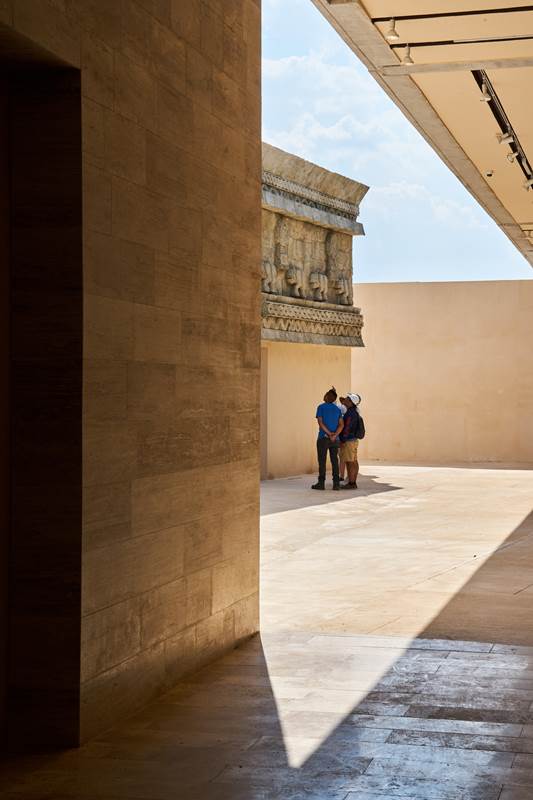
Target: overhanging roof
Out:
[456,48]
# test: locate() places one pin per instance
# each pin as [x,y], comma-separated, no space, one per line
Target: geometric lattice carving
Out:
[312,322]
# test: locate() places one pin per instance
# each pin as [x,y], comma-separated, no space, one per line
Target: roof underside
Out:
[461,52]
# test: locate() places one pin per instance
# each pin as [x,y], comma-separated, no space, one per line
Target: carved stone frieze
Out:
[309,221]
[312,322]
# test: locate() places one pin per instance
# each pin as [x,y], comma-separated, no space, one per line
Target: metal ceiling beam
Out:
[454,66]
[449,14]
[453,42]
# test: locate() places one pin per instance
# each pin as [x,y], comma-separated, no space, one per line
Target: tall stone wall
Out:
[171,334]
[446,374]
[294,379]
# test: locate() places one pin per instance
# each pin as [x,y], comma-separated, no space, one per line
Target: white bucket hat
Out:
[355,398]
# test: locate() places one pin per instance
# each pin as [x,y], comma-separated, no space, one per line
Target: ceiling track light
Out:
[506,135]
[485,94]
[391,34]
[407,55]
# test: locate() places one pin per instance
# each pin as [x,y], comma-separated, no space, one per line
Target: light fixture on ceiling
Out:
[505,138]
[528,184]
[485,94]
[391,34]
[407,56]
[489,173]
[511,158]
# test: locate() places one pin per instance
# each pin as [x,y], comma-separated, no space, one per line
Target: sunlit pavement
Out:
[440,551]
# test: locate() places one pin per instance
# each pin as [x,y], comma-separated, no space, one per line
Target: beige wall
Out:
[294,380]
[447,371]
[171,273]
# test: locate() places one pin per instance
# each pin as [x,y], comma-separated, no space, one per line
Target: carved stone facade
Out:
[309,219]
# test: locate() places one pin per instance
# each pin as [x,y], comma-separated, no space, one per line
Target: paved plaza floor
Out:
[395,661]
[437,551]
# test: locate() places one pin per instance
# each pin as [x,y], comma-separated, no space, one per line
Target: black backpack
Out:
[360,427]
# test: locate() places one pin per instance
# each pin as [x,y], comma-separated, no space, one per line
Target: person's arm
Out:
[340,428]
[322,426]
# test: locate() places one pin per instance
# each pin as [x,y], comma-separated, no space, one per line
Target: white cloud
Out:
[391,199]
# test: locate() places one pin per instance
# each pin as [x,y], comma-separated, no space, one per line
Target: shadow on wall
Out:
[288,494]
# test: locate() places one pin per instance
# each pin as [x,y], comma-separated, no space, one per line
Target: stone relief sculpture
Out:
[303,260]
[306,274]
[281,240]
[318,281]
[295,278]
[275,254]
[339,266]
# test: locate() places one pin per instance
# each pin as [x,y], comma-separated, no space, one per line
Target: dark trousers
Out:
[322,447]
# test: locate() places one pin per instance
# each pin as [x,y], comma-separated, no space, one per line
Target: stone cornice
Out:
[309,205]
[313,195]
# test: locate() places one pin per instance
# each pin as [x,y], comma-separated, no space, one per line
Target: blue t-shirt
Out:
[331,415]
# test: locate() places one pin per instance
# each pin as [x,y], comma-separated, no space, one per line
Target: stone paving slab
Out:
[216,737]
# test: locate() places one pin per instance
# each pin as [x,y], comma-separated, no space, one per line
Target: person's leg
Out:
[352,475]
[342,464]
[355,462]
[351,465]
[321,451]
[334,456]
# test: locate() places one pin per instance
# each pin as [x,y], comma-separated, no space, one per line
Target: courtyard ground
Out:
[395,660]
[436,551]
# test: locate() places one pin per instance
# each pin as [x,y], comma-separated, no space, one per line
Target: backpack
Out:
[360,427]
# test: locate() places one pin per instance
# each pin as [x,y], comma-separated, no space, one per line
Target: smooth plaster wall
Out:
[171,334]
[295,378]
[446,375]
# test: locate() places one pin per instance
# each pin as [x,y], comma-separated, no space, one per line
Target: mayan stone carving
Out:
[309,221]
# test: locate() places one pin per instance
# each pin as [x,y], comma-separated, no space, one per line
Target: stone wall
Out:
[294,380]
[446,374]
[171,331]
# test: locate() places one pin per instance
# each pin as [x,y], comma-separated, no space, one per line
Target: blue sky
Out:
[320,103]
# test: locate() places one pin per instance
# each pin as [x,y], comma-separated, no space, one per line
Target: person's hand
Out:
[332,437]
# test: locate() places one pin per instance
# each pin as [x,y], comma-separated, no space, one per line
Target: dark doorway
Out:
[41,396]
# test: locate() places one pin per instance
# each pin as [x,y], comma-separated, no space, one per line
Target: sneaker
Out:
[336,487]
[349,486]
[318,485]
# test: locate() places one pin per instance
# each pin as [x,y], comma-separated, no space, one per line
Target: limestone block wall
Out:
[171,334]
[446,372]
[294,379]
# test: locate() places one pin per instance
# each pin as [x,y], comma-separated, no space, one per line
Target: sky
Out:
[321,103]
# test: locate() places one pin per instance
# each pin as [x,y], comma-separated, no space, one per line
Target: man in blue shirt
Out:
[330,424]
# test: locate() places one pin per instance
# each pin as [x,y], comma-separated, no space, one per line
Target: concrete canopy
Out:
[461,71]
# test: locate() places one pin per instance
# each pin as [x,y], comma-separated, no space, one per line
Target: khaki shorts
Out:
[348,451]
